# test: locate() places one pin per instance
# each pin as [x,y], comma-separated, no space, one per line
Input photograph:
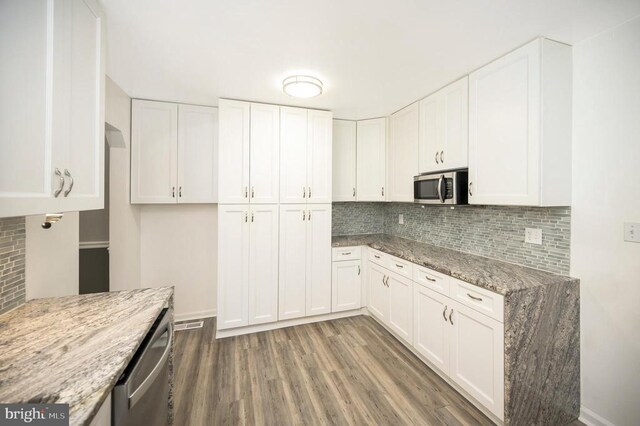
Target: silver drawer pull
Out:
[399,266]
[346,253]
[429,279]
[479,299]
[444,313]
[376,256]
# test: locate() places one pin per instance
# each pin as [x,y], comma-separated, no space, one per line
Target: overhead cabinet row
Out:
[273,154]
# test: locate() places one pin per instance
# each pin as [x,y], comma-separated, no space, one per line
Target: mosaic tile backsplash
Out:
[492,231]
[12,261]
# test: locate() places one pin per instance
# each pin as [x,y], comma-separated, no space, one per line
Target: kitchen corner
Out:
[74,349]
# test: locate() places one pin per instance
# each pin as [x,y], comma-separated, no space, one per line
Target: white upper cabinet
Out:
[293,155]
[402,153]
[265,151]
[52,107]
[444,128]
[154,152]
[344,160]
[197,154]
[173,153]
[520,127]
[371,159]
[319,125]
[233,152]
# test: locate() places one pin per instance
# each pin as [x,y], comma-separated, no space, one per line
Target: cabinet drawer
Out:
[378,257]
[346,253]
[431,279]
[400,266]
[479,299]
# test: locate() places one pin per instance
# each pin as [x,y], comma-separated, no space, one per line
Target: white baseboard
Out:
[220,334]
[590,418]
[195,315]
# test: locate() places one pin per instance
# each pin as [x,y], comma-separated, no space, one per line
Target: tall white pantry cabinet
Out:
[274,214]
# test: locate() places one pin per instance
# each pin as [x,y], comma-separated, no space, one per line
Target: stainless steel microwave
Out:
[449,187]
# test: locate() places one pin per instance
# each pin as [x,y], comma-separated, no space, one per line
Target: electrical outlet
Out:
[533,235]
[632,232]
[401,219]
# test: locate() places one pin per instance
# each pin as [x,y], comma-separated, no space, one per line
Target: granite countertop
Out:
[73,349]
[494,275]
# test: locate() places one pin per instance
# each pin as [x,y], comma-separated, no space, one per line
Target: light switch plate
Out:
[401,219]
[632,232]
[533,235]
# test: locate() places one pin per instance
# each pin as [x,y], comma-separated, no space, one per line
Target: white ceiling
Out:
[374,56]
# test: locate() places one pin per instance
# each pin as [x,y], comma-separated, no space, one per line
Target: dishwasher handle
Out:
[137,394]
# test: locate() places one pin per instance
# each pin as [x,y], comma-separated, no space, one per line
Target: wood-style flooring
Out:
[348,371]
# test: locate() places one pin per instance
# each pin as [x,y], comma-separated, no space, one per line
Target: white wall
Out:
[124,219]
[606,193]
[178,246]
[52,258]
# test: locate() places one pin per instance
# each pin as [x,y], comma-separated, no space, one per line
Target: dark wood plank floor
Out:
[346,372]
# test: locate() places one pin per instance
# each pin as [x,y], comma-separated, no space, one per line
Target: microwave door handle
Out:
[440,195]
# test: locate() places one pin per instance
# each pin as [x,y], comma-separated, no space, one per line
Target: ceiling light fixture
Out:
[302,86]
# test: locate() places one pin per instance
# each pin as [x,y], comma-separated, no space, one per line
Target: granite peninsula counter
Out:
[541,325]
[73,349]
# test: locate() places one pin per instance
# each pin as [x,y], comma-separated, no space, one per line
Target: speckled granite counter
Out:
[541,325]
[73,349]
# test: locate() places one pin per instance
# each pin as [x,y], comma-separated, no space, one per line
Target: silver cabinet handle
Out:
[246,192]
[470,188]
[441,157]
[383,191]
[180,192]
[387,281]
[358,269]
[429,279]
[376,256]
[383,277]
[253,192]
[68,174]
[346,253]
[173,191]
[246,217]
[437,162]
[399,266]
[444,313]
[309,192]
[251,216]
[354,192]
[309,215]
[304,192]
[61,183]
[450,314]
[479,299]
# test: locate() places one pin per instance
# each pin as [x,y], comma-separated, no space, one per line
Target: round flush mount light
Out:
[302,86]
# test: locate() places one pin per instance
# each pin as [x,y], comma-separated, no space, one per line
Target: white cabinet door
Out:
[233,266]
[400,302]
[233,152]
[504,129]
[430,134]
[402,152]
[263,263]
[293,155]
[154,151]
[477,356]
[346,285]
[378,292]
[318,276]
[265,153]
[80,121]
[293,261]
[344,160]
[431,329]
[197,154]
[455,123]
[319,131]
[371,159]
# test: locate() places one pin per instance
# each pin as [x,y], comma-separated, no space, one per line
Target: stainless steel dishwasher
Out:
[141,395]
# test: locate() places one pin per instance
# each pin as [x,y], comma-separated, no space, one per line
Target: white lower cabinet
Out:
[305,260]
[346,279]
[378,292]
[247,265]
[430,326]
[400,306]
